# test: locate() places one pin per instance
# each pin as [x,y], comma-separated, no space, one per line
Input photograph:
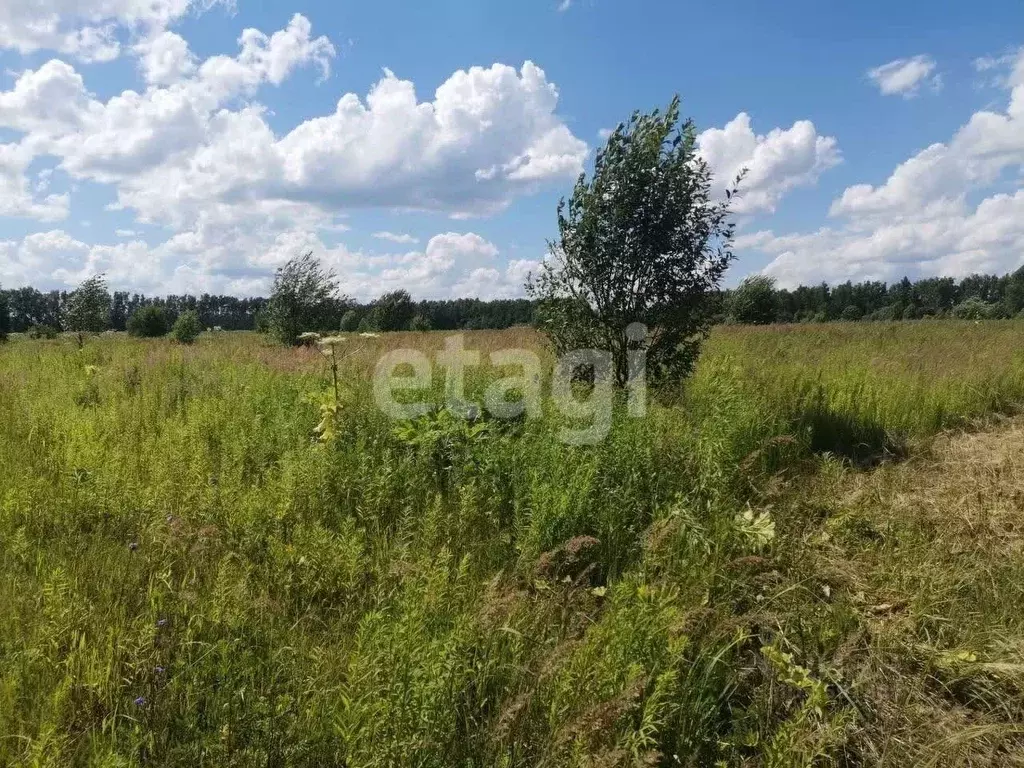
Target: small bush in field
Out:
[303,298]
[187,327]
[350,321]
[753,302]
[42,332]
[419,323]
[973,309]
[148,322]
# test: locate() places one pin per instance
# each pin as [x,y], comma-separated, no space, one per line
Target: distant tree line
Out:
[29,308]
[25,309]
[757,300]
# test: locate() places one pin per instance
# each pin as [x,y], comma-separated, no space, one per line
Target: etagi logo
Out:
[589,405]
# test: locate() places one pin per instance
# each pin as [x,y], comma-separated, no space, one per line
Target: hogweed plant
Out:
[330,403]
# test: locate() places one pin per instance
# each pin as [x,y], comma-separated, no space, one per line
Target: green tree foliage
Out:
[643,240]
[350,321]
[148,322]
[187,327]
[850,313]
[88,308]
[261,322]
[392,312]
[5,318]
[753,302]
[419,323]
[41,332]
[974,308]
[303,299]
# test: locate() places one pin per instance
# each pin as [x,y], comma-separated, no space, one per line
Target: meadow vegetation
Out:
[208,559]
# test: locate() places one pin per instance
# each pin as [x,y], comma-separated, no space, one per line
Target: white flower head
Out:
[330,341]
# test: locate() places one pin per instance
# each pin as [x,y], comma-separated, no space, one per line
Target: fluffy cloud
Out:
[489,134]
[192,149]
[164,58]
[922,220]
[16,197]
[493,283]
[451,265]
[86,29]
[776,163]
[396,238]
[905,77]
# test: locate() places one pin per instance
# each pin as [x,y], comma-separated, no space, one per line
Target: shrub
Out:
[350,321]
[885,314]
[850,313]
[419,323]
[303,299]
[148,322]
[187,327]
[5,318]
[261,323]
[753,302]
[392,312]
[973,308]
[38,331]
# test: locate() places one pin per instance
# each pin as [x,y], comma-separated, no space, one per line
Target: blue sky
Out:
[178,145]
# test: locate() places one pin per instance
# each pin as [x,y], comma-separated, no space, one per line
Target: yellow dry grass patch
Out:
[920,566]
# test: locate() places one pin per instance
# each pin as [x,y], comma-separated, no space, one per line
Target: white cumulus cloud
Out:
[86,29]
[923,219]
[776,162]
[393,237]
[904,77]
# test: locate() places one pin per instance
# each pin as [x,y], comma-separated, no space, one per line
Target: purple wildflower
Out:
[140,702]
[159,670]
[161,622]
[133,546]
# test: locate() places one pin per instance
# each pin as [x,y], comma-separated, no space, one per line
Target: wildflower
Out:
[134,546]
[162,623]
[159,670]
[140,702]
[170,518]
[330,341]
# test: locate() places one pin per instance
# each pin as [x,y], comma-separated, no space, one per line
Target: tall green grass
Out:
[190,577]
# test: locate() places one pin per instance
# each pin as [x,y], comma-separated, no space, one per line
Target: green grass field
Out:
[781,564]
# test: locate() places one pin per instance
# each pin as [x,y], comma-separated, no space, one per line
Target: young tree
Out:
[187,327]
[644,240]
[148,322]
[261,322]
[851,313]
[88,308]
[419,323]
[393,311]
[753,302]
[350,321]
[303,297]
